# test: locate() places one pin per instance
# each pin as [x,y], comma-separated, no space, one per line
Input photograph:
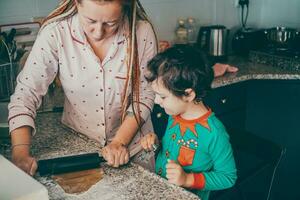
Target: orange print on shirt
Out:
[191,124]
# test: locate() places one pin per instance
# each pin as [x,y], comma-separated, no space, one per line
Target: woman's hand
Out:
[221,69]
[148,140]
[116,154]
[22,159]
[21,140]
[177,176]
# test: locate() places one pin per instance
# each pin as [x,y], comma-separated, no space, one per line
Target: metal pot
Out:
[280,36]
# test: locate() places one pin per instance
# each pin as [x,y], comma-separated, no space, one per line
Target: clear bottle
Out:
[191,30]
[181,32]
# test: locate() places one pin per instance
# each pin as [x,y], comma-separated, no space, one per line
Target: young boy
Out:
[196,152]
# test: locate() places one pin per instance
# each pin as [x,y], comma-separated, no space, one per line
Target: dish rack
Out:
[8,72]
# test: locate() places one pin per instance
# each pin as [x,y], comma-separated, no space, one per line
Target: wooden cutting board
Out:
[78,182]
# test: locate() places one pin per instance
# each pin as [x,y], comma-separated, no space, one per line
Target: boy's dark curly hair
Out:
[181,67]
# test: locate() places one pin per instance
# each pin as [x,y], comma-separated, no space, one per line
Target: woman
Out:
[98,49]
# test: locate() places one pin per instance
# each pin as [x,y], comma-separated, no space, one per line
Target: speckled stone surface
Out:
[252,71]
[248,70]
[128,182]
[131,181]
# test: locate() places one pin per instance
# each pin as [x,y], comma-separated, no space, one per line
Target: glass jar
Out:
[181,32]
[191,30]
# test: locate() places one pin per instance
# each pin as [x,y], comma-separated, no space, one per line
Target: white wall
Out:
[164,13]
[230,15]
[262,13]
[281,13]
[15,11]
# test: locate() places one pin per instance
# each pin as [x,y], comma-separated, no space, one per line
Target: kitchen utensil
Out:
[7,79]
[69,164]
[4,129]
[213,40]
[280,37]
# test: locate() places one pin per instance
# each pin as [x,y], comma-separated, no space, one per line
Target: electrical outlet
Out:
[236,3]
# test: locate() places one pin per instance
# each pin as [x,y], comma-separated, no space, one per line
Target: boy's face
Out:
[172,104]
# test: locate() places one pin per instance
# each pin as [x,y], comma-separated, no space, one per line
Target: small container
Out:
[191,30]
[181,32]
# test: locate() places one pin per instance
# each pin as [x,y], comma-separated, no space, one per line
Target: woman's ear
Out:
[190,95]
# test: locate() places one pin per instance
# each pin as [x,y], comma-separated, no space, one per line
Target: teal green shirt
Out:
[199,146]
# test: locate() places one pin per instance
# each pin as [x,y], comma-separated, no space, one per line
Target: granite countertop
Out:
[249,70]
[128,182]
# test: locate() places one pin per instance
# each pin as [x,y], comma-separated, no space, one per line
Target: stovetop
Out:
[284,58]
[283,52]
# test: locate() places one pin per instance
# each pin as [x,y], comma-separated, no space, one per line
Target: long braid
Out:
[130,62]
[137,12]
[65,9]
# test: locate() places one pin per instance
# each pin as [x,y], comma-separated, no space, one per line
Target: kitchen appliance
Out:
[16,184]
[245,38]
[248,39]
[287,59]
[213,40]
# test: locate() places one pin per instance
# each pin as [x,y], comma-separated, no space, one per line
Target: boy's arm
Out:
[223,174]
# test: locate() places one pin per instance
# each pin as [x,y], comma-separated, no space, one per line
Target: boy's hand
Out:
[177,176]
[148,140]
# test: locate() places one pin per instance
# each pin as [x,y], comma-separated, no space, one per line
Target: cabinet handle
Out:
[223,101]
[158,115]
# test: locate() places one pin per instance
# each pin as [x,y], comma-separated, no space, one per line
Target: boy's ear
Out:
[190,95]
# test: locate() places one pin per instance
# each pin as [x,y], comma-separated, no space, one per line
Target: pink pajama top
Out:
[93,89]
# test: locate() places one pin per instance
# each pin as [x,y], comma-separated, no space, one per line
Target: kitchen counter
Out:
[128,182]
[248,70]
[131,181]
[254,71]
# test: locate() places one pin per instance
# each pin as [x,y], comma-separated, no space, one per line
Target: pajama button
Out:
[167,154]
[159,171]
[174,136]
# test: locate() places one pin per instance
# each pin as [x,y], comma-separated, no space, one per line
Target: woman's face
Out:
[99,20]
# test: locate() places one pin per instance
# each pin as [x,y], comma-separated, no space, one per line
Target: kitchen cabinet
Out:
[273,109]
[254,169]
[229,104]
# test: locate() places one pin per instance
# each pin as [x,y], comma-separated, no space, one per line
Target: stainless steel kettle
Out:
[214,40]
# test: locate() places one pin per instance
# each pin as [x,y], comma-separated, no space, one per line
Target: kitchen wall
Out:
[164,13]
[15,11]
[262,13]
[279,12]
